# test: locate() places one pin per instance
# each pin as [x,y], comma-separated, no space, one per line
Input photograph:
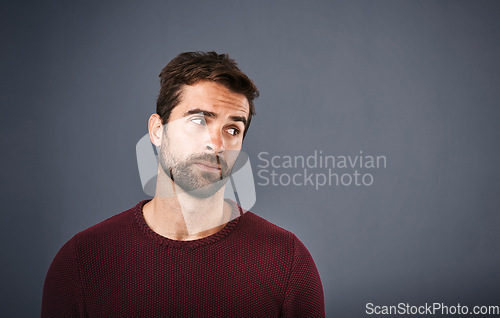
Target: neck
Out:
[180,216]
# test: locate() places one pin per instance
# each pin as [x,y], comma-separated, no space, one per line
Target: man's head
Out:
[203,111]
[191,67]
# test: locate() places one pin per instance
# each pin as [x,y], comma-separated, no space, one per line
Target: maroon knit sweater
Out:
[121,268]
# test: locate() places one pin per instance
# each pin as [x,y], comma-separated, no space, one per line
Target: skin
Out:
[208,122]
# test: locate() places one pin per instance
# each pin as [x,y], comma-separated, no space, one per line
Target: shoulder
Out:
[116,226]
[262,231]
[261,226]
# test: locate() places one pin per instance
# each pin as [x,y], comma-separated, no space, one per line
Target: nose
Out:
[215,142]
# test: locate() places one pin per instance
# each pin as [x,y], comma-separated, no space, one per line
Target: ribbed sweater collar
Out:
[237,212]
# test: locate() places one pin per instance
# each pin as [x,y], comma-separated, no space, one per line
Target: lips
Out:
[208,165]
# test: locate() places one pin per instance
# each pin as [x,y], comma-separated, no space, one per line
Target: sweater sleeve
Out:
[304,295]
[62,293]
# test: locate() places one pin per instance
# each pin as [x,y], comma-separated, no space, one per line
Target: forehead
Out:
[213,97]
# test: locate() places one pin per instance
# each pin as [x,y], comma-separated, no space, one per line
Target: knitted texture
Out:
[121,268]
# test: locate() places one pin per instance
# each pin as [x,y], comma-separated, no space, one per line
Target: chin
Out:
[205,191]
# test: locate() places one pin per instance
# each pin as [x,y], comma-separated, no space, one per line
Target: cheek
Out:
[189,135]
[181,146]
[230,156]
[233,143]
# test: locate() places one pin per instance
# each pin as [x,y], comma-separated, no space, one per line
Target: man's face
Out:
[203,137]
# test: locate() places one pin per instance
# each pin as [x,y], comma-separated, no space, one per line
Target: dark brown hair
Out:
[191,67]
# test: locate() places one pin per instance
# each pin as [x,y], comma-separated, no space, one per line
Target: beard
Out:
[191,179]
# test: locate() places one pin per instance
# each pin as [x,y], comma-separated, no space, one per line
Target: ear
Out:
[155,127]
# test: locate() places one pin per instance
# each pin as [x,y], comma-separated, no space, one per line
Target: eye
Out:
[233,131]
[199,121]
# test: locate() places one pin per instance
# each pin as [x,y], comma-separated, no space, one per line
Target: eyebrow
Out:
[214,115]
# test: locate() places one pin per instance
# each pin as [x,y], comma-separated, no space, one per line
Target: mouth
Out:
[208,166]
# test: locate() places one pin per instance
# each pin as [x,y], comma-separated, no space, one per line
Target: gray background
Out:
[416,81]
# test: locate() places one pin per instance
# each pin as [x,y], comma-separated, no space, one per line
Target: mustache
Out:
[213,159]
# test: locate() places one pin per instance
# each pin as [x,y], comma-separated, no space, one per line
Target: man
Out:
[188,252]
